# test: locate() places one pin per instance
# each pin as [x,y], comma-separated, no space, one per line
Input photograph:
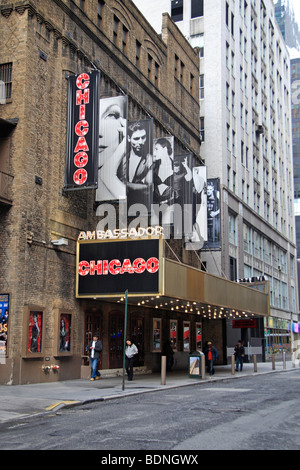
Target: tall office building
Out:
[245,125]
[285,17]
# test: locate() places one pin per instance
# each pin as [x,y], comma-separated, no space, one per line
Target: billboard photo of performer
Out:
[183,194]
[213,213]
[163,177]
[139,163]
[112,149]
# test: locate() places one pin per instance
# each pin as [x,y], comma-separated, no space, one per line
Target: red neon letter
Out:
[152,265]
[83,268]
[82,97]
[81,128]
[80,176]
[81,145]
[95,267]
[83,81]
[81,159]
[126,267]
[139,265]
[112,269]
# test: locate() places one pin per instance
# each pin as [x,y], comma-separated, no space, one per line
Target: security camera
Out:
[60,242]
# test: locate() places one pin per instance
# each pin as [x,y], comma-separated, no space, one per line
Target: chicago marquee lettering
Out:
[81,157]
[115,266]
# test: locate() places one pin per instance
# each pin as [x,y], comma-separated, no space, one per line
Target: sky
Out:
[296,5]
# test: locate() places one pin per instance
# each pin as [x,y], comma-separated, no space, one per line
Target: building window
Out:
[150,60]
[176,61]
[181,71]
[202,131]
[82,4]
[196,8]
[192,79]
[227,14]
[156,74]
[232,24]
[115,30]
[124,39]
[233,268]
[177,10]
[100,13]
[138,48]
[6,80]
[201,85]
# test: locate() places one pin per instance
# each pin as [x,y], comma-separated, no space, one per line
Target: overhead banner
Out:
[199,209]
[213,214]
[139,174]
[112,149]
[82,131]
[109,268]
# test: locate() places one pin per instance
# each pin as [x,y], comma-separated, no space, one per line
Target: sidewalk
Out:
[23,401]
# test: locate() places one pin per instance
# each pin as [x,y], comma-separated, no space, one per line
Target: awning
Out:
[106,269]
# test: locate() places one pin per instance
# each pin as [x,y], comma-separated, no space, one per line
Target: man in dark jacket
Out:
[211,354]
[95,348]
[239,352]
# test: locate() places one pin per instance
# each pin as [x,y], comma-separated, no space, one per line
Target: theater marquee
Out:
[107,268]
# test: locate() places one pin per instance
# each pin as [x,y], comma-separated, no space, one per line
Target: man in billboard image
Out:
[139,163]
[112,149]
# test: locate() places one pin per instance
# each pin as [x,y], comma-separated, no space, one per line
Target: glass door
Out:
[92,325]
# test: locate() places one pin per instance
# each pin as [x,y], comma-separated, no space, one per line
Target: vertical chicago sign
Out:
[82,131]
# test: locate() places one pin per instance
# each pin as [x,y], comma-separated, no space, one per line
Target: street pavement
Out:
[25,401]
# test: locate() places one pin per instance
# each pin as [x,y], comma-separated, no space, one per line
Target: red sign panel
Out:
[251,323]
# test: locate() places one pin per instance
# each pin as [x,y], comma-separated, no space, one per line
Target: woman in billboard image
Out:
[112,148]
[163,178]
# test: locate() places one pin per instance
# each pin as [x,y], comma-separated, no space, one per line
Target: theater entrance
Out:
[93,325]
[135,331]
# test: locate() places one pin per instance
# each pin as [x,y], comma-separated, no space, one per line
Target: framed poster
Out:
[33,342]
[4,309]
[64,333]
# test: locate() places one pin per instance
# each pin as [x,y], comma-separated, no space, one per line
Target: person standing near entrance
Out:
[95,348]
[130,351]
[211,354]
[239,352]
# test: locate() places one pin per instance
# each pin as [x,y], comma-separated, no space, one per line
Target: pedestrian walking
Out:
[211,354]
[130,351]
[239,352]
[168,351]
[94,349]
